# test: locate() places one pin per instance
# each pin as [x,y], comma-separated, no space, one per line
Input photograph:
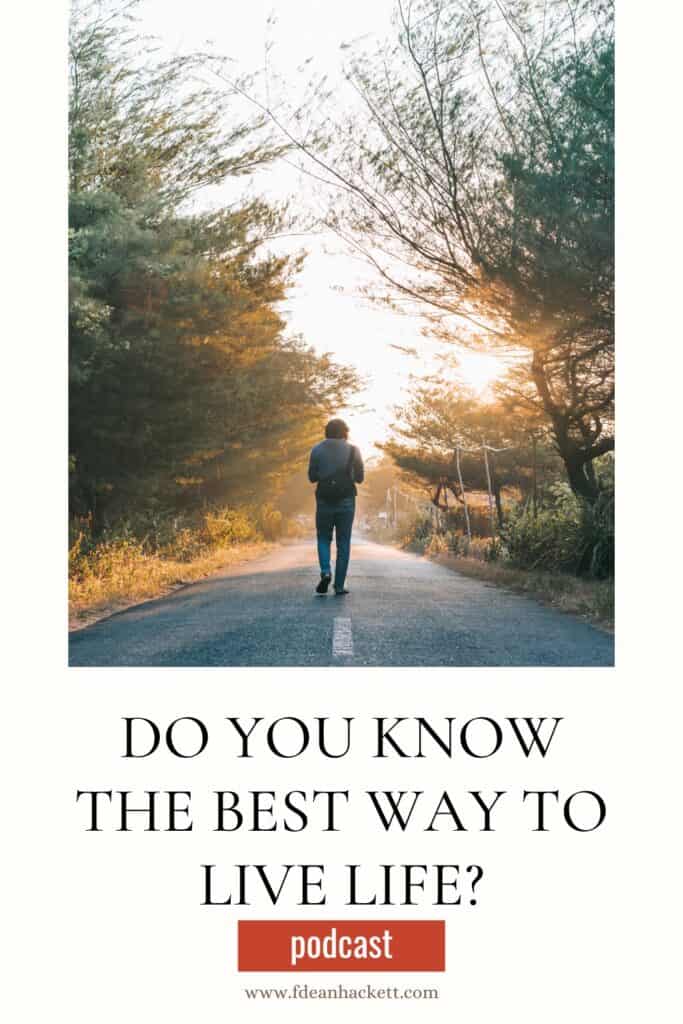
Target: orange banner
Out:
[341,945]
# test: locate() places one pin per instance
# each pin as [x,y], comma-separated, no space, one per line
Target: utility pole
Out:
[464,496]
[488,483]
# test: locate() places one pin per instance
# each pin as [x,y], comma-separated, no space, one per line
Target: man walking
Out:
[336,467]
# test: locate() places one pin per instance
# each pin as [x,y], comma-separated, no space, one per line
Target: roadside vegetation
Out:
[154,553]
[562,555]
[190,403]
[587,598]
[559,549]
[474,171]
[480,186]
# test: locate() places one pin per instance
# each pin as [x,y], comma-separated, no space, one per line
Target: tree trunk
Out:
[499,504]
[578,461]
[581,478]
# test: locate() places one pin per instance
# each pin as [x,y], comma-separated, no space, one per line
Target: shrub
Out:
[493,551]
[270,522]
[424,538]
[419,535]
[108,560]
[141,555]
[438,544]
[226,526]
[566,534]
[597,535]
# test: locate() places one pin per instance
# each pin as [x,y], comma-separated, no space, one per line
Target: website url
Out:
[341,992]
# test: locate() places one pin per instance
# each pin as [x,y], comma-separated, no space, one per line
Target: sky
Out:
[325,306]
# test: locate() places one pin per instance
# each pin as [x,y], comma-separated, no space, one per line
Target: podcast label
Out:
[341,945]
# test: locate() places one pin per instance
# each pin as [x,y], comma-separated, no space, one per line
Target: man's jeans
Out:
[337,516]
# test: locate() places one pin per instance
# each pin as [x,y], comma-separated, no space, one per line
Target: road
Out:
[402,610]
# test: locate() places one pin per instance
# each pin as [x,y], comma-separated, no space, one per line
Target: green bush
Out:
[566,534]
[597,528]
[419,534]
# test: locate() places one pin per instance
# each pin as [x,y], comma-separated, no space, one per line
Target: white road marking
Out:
[342,638]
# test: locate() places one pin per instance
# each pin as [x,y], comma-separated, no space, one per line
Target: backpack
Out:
[340,484]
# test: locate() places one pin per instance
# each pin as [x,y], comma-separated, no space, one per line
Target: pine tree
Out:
[183,383]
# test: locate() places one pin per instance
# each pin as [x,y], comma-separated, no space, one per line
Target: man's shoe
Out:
[325,581]
[340,591]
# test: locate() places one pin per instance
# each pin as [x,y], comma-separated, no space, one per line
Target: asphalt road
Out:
[402,610]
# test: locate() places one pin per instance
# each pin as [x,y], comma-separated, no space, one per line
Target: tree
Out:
[183,382]
[479,183]
[445,422]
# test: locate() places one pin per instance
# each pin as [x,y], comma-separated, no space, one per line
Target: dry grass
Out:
[123,575]
[590,599]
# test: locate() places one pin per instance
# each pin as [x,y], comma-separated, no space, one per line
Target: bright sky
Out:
[324,307]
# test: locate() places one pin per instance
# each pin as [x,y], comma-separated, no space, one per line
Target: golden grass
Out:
[123,574]
[590,599]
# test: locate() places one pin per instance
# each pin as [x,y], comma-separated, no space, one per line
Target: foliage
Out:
[590,595]
[184,388]
[479,183]
[550,539]
[423,538]
[565,535]
[149,551]
[181,537]
[443,415]
[568,535]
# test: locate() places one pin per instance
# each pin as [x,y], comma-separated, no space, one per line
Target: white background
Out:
[108,927]
[550,927]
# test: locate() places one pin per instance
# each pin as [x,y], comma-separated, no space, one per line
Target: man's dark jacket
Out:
[330,457]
